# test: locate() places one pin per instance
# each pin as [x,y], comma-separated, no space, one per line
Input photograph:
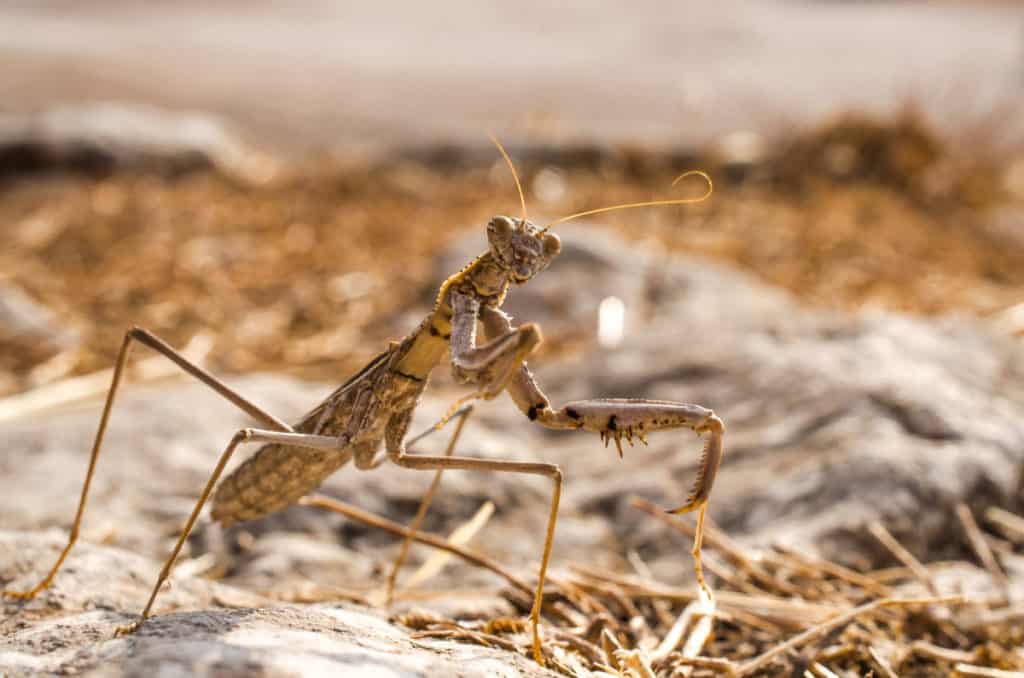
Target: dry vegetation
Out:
[307,272]
[777,612]
[300,272]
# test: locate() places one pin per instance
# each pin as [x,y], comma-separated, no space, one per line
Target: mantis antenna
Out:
[651,203]
[515,175]
[522,201]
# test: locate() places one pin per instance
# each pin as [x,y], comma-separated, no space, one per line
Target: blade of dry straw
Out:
[903,555]
[840,620]
[460,536]
[981,547]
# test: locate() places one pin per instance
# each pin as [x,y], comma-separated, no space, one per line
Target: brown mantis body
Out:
[374,408]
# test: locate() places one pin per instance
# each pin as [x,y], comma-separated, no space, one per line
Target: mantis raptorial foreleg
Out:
[618,419]
[493,363]
[500,364]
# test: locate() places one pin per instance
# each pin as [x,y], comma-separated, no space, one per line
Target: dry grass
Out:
[313,271]
[778,612]
[304,273]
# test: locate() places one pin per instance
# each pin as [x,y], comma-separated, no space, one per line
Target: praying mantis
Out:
[374,408]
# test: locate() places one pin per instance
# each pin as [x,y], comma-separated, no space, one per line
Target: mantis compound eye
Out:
[501,228]
[552,245]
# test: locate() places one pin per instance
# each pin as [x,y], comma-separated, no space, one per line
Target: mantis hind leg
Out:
[245,435]
[152,341]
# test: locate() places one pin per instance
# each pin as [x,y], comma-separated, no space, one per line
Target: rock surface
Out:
[833,421]
[100,138]
[213,630]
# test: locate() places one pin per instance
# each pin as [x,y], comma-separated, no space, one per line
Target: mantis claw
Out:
[686,508]
[127,629]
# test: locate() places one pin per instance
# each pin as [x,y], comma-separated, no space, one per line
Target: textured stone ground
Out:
[833,421]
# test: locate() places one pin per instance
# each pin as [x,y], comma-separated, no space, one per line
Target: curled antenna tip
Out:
[699,173]
[649,203]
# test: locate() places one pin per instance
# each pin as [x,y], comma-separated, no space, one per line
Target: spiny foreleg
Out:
[617,419]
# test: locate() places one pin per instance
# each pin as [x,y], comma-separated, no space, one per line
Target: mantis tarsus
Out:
[375,406]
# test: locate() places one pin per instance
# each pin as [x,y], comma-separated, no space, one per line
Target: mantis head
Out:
[521,248]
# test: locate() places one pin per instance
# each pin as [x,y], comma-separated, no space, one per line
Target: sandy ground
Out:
[317,73]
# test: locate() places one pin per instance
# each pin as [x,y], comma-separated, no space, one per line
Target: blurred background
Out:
[280,188]
[280,174]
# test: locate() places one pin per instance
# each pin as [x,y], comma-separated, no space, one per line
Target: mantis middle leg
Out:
[396,449]
[463,416]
